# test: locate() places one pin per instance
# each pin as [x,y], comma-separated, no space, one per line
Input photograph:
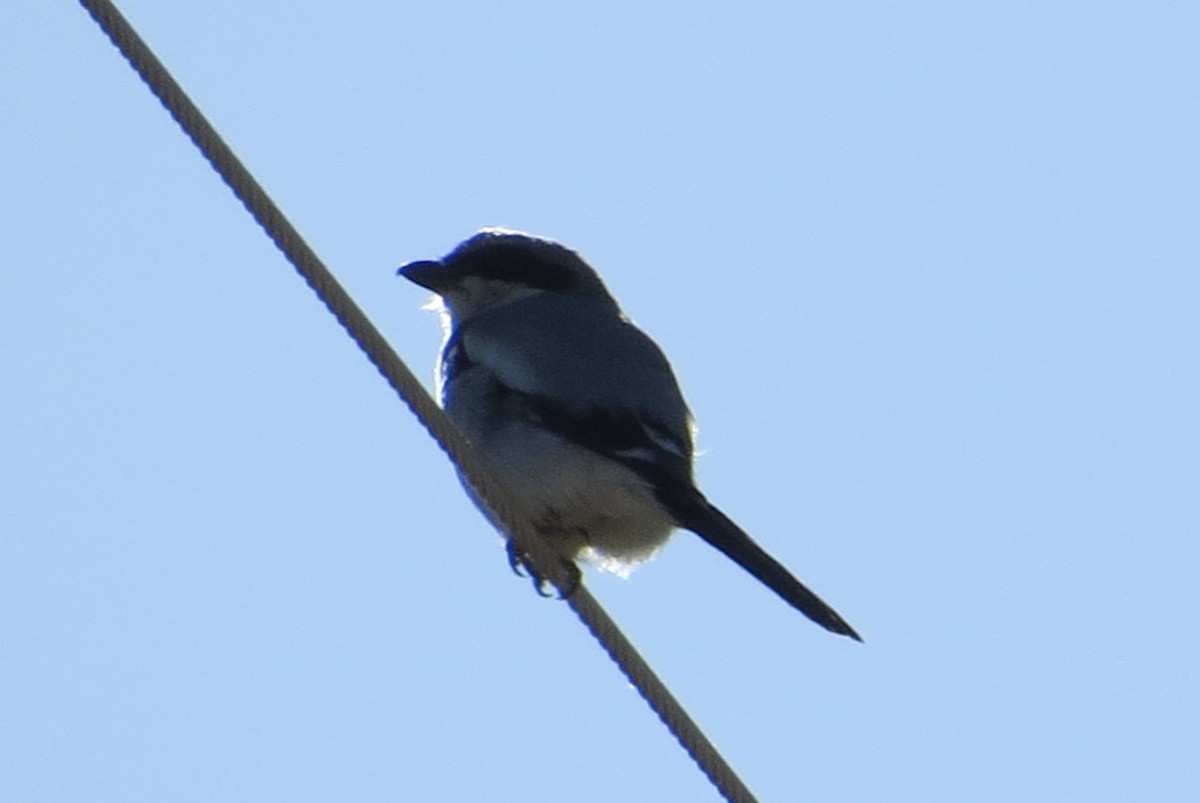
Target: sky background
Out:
[928,275]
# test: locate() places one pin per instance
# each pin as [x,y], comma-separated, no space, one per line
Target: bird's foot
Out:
[521,565]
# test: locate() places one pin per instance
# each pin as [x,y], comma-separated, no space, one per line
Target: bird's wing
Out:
[590,375]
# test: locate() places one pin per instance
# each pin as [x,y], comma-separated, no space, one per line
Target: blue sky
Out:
[927,272]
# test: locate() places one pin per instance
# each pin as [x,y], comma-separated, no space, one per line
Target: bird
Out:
[576,412]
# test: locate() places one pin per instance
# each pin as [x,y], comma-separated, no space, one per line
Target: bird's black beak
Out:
[430,274]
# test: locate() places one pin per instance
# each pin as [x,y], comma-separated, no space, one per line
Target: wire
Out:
[412,393]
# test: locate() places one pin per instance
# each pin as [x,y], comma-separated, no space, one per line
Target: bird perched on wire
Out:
[576,412]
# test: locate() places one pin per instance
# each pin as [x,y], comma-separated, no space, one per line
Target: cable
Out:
[411,392]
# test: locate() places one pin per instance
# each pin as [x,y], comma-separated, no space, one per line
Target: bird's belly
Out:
[586,505]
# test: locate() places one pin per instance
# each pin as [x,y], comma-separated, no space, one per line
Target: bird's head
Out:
[497,266]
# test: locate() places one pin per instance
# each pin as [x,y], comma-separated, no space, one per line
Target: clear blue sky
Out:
[929,276]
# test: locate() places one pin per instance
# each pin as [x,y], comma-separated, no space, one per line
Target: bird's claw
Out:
[521,565]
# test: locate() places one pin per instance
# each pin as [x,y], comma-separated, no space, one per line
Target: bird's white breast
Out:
[585,504]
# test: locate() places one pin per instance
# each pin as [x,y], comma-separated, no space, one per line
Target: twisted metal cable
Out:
[412,393]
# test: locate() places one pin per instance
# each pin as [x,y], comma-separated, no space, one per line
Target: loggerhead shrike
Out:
[576,412]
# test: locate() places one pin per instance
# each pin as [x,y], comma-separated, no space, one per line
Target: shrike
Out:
[576,412]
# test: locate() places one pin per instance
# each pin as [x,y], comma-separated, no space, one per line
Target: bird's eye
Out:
[519,266]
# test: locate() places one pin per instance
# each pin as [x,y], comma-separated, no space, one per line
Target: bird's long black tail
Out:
[695,513]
